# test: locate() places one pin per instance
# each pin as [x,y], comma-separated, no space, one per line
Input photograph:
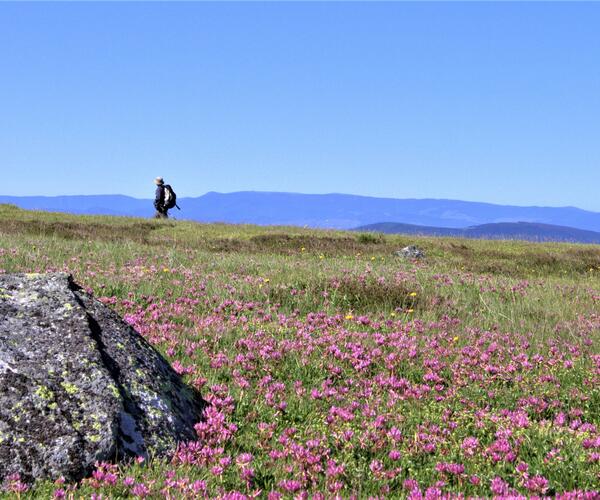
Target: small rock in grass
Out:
[410,252]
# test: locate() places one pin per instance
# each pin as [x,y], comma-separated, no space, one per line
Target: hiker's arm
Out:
[159,196]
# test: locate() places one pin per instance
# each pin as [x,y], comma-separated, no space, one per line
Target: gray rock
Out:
[410,252]
[79,385]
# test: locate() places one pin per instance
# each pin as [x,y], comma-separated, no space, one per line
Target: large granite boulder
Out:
[78,385]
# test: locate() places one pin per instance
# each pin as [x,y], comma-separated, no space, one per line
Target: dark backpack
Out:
[170,198]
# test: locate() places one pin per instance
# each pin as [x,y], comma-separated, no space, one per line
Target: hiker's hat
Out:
[158,181]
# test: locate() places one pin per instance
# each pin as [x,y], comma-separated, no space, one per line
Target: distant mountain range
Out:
[338,211]
[530,231]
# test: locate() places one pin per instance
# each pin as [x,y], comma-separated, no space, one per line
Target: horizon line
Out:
[305,194]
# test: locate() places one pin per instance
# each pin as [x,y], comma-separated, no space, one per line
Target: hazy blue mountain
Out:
[319,210]
[530,231]
[91,205]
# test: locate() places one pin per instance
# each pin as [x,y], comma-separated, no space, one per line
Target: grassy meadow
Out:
[335,368]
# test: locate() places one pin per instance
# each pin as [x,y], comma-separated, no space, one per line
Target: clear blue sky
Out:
[495,102]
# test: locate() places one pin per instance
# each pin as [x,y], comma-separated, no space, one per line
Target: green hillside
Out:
[334,366]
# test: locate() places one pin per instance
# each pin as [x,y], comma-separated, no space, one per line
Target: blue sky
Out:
[495,102]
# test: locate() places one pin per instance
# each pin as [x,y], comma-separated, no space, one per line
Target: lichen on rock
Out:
[69,393]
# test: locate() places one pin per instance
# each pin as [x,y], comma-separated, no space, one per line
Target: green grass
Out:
[544,294]
[310,260]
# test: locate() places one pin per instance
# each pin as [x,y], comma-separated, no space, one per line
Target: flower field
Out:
[334,368]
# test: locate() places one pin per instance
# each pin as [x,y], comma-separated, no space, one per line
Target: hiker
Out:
[164,199]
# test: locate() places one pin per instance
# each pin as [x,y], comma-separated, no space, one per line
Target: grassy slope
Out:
[200,292]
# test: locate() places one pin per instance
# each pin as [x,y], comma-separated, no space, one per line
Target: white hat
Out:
[158,181]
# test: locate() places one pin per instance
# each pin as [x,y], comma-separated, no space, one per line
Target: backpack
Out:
[170,198]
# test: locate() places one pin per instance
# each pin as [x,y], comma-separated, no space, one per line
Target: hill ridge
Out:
[502,230]
[336,211]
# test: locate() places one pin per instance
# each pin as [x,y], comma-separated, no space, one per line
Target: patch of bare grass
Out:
[286,244]
[349,293]
[137,232]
